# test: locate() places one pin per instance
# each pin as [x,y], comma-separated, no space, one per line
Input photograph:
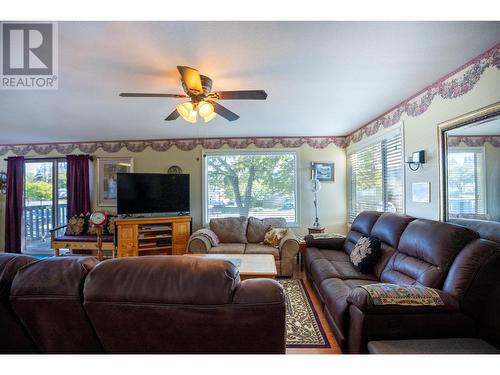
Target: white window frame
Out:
[256,151]
[472,149]
[382,135]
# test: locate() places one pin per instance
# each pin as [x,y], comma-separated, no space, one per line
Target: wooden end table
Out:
[300,254]
[313,230]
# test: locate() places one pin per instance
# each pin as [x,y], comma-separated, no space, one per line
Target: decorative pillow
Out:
[274,236]
[110,227]
[230,229]
[76,225]
[257,228]
[406,295]
[365,254]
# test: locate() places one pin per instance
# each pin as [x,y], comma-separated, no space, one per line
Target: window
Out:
[260,184]
[375,177]
[466,182]
[45,201]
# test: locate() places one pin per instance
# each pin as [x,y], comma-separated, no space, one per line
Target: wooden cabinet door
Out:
[181,232]
[127,240]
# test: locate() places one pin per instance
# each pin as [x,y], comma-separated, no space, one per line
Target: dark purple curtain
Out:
[78,184]
[14,206]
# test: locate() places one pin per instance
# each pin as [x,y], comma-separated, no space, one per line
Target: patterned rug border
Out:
[316,317]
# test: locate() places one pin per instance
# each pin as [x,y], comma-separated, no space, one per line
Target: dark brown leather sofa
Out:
[463,267]
[150,304]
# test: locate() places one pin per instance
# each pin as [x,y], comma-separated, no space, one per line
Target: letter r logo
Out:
[27,48]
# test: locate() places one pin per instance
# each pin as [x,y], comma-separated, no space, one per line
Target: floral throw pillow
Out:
[111,224]
[274,236]
[76,225]
[365,254]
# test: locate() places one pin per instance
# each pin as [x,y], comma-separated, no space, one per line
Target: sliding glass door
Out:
[45,202]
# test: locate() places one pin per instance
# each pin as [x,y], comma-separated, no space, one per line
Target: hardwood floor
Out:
[334,348]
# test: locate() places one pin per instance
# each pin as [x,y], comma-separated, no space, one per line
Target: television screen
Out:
[143,193]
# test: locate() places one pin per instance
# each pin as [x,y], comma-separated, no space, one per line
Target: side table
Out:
[313,230]
[300,254]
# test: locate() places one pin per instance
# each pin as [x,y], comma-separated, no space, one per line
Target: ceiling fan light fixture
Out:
[209,117]
[205,108]
[186,110]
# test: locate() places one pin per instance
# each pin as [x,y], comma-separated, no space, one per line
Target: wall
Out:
[332,195]
[421,133]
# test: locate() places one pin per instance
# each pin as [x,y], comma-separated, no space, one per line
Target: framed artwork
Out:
[107,168]
[323,171]
[421,192]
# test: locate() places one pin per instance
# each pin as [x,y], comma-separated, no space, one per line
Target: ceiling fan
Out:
[202,100]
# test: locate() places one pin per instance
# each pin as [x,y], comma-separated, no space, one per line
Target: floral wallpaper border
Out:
[474,141]
[447,87]
[181,144]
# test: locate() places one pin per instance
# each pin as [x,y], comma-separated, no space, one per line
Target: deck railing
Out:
[38,221]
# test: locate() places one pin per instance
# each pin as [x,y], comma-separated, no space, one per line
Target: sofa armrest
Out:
[259,291]
[360,298]
[289,245]
[198,244]
[325,243]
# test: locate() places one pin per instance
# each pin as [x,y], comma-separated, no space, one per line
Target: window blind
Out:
[375,176]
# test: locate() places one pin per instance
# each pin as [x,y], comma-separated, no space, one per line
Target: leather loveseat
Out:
[461,266]
[150,304]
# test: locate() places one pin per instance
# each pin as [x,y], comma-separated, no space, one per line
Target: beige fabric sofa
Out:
[240,235]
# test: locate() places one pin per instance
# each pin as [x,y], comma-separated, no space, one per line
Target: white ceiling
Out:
[322,78]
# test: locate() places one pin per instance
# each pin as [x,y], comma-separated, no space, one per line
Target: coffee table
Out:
[250,265]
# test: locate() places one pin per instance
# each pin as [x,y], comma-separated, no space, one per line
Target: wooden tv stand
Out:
[152,236]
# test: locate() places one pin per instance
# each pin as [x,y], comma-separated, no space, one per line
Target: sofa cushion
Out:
[76,225]
[335,292]
[230,229]
[364,222]
[389,228]
[257,228]
[274,236]
[425,252]
[323,269]
[228,248]
[47,298]
[312,254]
[365,254]
[361,226]
[255,248]
[84,238]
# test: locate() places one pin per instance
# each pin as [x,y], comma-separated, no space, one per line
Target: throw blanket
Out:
[408,295]
[208,234]
[325,236]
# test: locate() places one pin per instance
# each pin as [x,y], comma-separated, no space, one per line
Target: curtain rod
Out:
[91,158]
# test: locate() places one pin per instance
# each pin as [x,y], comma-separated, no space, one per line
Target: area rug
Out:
[303,328]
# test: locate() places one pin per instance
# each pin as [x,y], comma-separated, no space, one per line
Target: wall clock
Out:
[174,169]
[98,218]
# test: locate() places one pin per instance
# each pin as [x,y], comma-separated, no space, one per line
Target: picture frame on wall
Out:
[324,172]
[107,169]
[421,192]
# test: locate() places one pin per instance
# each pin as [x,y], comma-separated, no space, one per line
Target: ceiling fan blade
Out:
[224,112]
[241,94]
[173,116]
[146,95]
[191,78]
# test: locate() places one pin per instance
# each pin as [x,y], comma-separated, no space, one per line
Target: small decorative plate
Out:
[175,169]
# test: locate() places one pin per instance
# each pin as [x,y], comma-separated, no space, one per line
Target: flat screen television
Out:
[146,193]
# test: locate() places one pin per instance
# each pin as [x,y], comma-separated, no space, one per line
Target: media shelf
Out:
[152,236]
